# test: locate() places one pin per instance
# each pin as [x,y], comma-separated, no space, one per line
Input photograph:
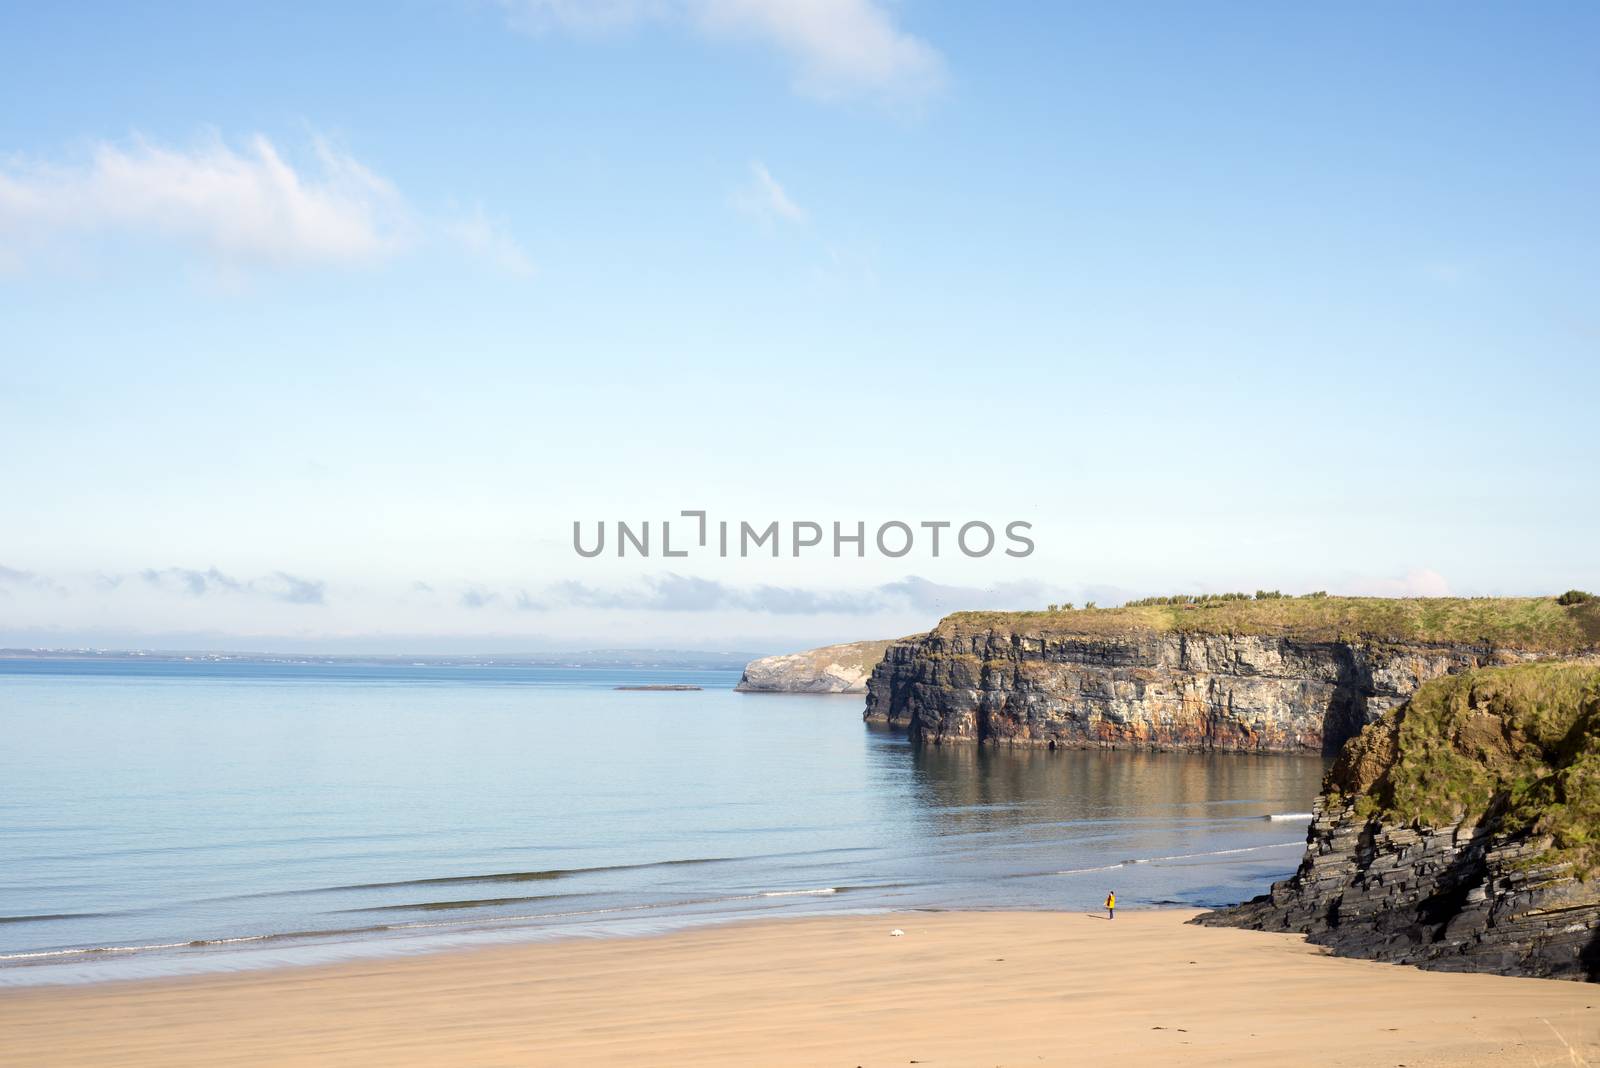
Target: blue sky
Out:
[323,326]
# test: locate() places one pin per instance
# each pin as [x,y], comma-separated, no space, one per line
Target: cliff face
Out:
[1285,674]
[831,669]
[1461,832]
[1166,690]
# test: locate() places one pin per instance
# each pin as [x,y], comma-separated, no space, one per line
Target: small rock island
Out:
[660,686]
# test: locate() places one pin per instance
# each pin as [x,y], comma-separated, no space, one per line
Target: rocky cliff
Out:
[831,669]
[1289,674]
[1459,832]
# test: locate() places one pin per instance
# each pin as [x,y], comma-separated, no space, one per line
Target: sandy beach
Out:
[954,989]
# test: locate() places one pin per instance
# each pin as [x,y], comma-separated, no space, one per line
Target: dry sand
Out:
[956,989]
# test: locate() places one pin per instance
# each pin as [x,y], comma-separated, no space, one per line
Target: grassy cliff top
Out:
[1535,623]
[1519,745]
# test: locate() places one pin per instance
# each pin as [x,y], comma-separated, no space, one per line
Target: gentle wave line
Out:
[482,921]
[1177,856]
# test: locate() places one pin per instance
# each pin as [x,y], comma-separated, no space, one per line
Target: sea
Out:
[169,817]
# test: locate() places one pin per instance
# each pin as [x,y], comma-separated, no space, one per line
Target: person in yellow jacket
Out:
[1111,905]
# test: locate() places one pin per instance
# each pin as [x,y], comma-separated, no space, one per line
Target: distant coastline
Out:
[597,658]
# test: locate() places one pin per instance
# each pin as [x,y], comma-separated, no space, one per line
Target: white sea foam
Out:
[92,949]
[1226,852]
[1178,856]
[44,953]
[1084,871]
[475,921]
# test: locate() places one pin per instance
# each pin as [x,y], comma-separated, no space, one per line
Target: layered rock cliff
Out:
[1459,832]
[831,669]
[1302,674]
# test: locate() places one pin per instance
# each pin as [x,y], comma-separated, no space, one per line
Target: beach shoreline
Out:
[956,988]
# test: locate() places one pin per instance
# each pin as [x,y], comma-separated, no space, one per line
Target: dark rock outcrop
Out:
[1459,833]
[1453,898]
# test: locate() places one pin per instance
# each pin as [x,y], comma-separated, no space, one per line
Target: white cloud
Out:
[234,207]
[839,47]
[765,198]
[280,585]
[487,240]
[250,207]
[13,579]
[670,592]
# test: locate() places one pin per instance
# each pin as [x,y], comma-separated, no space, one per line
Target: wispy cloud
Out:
[236,208]
[292,589]
[12,578]
[247,206]
[685,593]
[478,597]
[764,198]
[838,48]
[194,583]
[487,240]
[279,585]
[923,595]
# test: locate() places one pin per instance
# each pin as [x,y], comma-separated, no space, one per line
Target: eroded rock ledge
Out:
[1460,832]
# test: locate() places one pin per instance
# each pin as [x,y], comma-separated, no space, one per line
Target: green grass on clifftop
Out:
[1519,745]
[1535,623]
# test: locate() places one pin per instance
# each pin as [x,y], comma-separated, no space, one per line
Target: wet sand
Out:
[955,989]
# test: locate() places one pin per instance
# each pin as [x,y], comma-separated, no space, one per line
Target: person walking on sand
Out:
[1111,905]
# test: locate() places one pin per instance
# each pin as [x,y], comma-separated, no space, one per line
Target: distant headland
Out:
[830,669]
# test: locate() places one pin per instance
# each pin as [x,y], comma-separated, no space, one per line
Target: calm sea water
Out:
[158,818]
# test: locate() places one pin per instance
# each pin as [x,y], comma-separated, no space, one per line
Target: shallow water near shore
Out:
[164,818]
